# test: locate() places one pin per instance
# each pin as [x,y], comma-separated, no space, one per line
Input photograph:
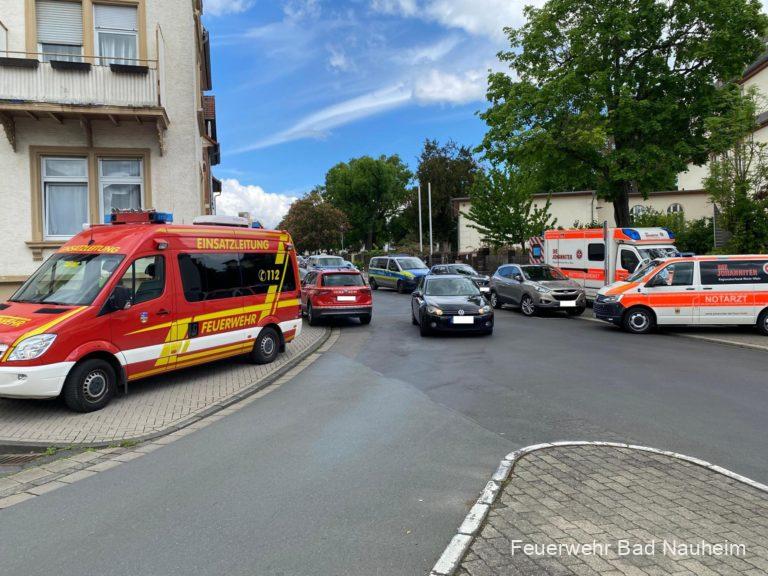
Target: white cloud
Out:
[266,207]
[478,17]
[338,59]
[219,7]
[427,52]
[318,124]
[438,86]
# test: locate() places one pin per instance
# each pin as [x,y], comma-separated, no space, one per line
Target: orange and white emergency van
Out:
[140,297]
[697,290]
[595,257]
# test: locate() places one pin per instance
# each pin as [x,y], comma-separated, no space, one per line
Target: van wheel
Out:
[495,301]
[266,347]
[638,320]
[762,322]
[311,318]
[90,385]
[372,284]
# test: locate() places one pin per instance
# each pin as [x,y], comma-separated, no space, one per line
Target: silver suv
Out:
[535,287]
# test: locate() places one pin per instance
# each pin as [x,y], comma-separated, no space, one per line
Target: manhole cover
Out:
[17,459]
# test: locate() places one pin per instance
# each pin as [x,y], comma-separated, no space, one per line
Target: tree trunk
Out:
[369,239]
[621,205]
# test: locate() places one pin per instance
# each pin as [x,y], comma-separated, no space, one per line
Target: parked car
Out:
[450,303]
[482,281]
[337,292]
[321,261]
[535,287]
[401,272]
[702,290]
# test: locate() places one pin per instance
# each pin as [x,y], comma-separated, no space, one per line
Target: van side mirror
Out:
[120,299]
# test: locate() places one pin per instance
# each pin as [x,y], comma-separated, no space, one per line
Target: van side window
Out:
[629,260]
[145,278]
[678,274]
[596,252]
[734,272]
[260,272]
[209,276]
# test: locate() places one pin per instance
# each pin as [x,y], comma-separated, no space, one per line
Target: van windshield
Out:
[411,264]
[69,279]
[643,269]
[654,252]
[330,262]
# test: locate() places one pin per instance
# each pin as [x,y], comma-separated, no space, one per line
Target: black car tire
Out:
[365,319]
[400,287]
[266,347]
[80,396]
[488,332]
[638,320]
[527,307]
[762,322]
[578,311]
[372,284]
[311,318]
[413,319]
[424,329]
[495,300]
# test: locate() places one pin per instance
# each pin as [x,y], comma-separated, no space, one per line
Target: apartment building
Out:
[102,106]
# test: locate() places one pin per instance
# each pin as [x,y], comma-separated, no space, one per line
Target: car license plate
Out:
[463,320]
[345,298]
[568,304]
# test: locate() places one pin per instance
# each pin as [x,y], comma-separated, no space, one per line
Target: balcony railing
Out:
[82,81]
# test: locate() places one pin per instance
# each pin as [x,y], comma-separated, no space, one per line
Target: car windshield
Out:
[411,264]
[73,279]
[543,273]
[451,287]
[330,261]
[642,270]
[343,280]
[463,269]
[654,252]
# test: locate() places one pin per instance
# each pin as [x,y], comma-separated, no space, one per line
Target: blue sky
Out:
[304,84]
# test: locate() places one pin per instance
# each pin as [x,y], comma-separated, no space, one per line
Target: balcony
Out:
[84,90]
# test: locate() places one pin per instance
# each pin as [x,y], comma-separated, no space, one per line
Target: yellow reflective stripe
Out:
[42,329]
[151,328]
[287,303]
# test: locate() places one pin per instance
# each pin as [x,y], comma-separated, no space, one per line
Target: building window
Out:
[65,196]
[60,30]
[116,30]
[637,210]
[675,208]
[121,184]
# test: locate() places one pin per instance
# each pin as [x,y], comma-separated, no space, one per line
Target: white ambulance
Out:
[595,257]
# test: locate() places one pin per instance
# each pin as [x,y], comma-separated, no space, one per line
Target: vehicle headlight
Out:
[32,347]
[542,289]
[485,310]
[434,310]
[611,299]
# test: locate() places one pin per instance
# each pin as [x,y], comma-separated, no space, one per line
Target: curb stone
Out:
[450,560]
[70,470]
[9,446]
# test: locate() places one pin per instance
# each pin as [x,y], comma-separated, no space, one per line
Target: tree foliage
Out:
[370,191]
[614,94]
[695,236]
[738,176]
[314,224]
[503,209]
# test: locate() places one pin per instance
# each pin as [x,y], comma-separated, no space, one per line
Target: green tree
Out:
[370,191]
[738,176]
[695,236]
[313,223]
[615,93]
[503,210]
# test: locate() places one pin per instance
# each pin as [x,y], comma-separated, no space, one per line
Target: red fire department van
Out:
[595,257]
[140,297]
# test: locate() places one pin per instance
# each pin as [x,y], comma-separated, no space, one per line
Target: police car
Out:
[400,272]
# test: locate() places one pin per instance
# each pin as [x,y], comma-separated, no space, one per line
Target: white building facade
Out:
[101,107]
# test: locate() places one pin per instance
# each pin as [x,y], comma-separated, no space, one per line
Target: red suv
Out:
[335,293]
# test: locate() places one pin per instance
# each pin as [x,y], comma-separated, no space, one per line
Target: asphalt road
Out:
[367,462]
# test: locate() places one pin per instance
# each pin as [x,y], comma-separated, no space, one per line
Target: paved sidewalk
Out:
[613,497]
[151,406]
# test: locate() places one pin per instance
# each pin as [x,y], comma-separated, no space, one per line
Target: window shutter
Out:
[116,17]
[59,22]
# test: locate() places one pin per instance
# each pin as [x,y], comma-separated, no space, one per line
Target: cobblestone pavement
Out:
[152,405]
[607,496]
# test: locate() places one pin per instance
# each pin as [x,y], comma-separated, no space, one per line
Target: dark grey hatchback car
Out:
[536,287]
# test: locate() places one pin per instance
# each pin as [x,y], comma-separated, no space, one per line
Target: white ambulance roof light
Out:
[220,220]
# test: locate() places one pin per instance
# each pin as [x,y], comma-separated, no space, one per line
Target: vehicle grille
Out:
[566,295]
